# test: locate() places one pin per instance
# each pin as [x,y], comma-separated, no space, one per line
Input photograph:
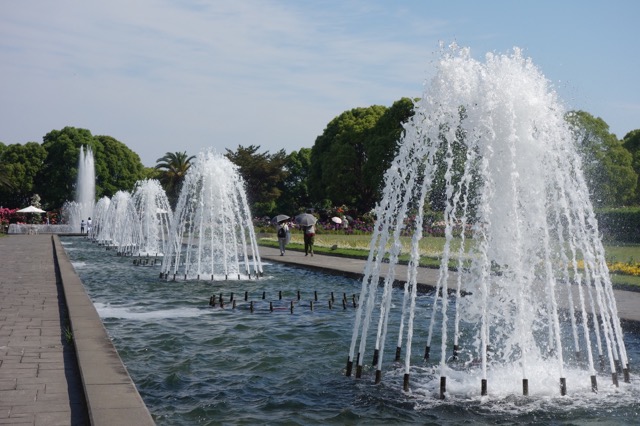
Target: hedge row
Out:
[622,225]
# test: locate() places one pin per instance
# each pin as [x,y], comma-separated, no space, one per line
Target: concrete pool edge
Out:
[112,397]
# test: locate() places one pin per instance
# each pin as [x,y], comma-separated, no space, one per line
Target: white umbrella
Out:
[30,209]
[336,219]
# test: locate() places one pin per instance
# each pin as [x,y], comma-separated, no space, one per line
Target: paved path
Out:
[39,378]
[45,378]
[628,302]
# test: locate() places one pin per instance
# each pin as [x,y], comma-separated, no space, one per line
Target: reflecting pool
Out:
[197,364]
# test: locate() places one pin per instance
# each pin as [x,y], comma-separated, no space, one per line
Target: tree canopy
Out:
[607,164]
[349,159]
[345,166]
[263,174]
[294,197]
[173,167]
[20,166]
[631,142]
[117,167]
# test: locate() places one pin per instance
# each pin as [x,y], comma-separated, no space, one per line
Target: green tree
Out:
[20,166]
[173,167]
[57,178]
[295,187]
[117,167]
[151,173]
[384,144]
[6,184]
[263,175]
[349,159]
[607,164]
[338,157]
[631,142]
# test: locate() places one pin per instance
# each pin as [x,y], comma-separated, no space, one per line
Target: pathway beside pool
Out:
[628,302]
[57,364]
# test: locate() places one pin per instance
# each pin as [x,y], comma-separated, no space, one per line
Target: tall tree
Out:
[57,178]
[383,145]
[349,159]
[295,187]
[338,157]
[631,142]
[263,174]
[117,167]
[173,167]
[20,165]
[607,164]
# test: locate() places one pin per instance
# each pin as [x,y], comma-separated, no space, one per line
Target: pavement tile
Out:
[6,373]
[18,419]
[9,384]
[18,396]
[41,407]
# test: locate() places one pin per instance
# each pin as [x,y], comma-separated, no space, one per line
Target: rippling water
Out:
[198,365]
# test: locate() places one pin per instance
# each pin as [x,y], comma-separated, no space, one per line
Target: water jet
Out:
[212,231]
[489,141]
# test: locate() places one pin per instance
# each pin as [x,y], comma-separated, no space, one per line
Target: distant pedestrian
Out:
[89,226]
[82,226]
[283,236]
[309,234]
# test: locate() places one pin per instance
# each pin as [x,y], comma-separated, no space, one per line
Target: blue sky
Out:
[185,75]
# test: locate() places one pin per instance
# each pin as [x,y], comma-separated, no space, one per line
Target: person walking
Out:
[309,234]
[283,236]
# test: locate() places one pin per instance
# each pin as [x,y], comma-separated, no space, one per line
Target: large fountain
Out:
[531,299]
[99,218]
[119,226]
[154,213]
[212,234]
[135,224]
[74,212]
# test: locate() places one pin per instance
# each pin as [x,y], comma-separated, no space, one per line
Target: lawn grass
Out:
[430,248]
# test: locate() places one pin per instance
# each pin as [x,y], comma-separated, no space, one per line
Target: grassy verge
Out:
[357,246]
[355,253]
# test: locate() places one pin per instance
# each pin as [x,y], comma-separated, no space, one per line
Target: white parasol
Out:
[30,209]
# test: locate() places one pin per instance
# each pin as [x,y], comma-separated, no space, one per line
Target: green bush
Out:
[621,224]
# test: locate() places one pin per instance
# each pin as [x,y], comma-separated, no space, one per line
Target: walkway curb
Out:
[627,301]
[112,398]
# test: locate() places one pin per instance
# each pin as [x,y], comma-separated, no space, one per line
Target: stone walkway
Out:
[57,363]
[39,379]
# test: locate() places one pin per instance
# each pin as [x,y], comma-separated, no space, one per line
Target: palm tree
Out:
[173,167]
